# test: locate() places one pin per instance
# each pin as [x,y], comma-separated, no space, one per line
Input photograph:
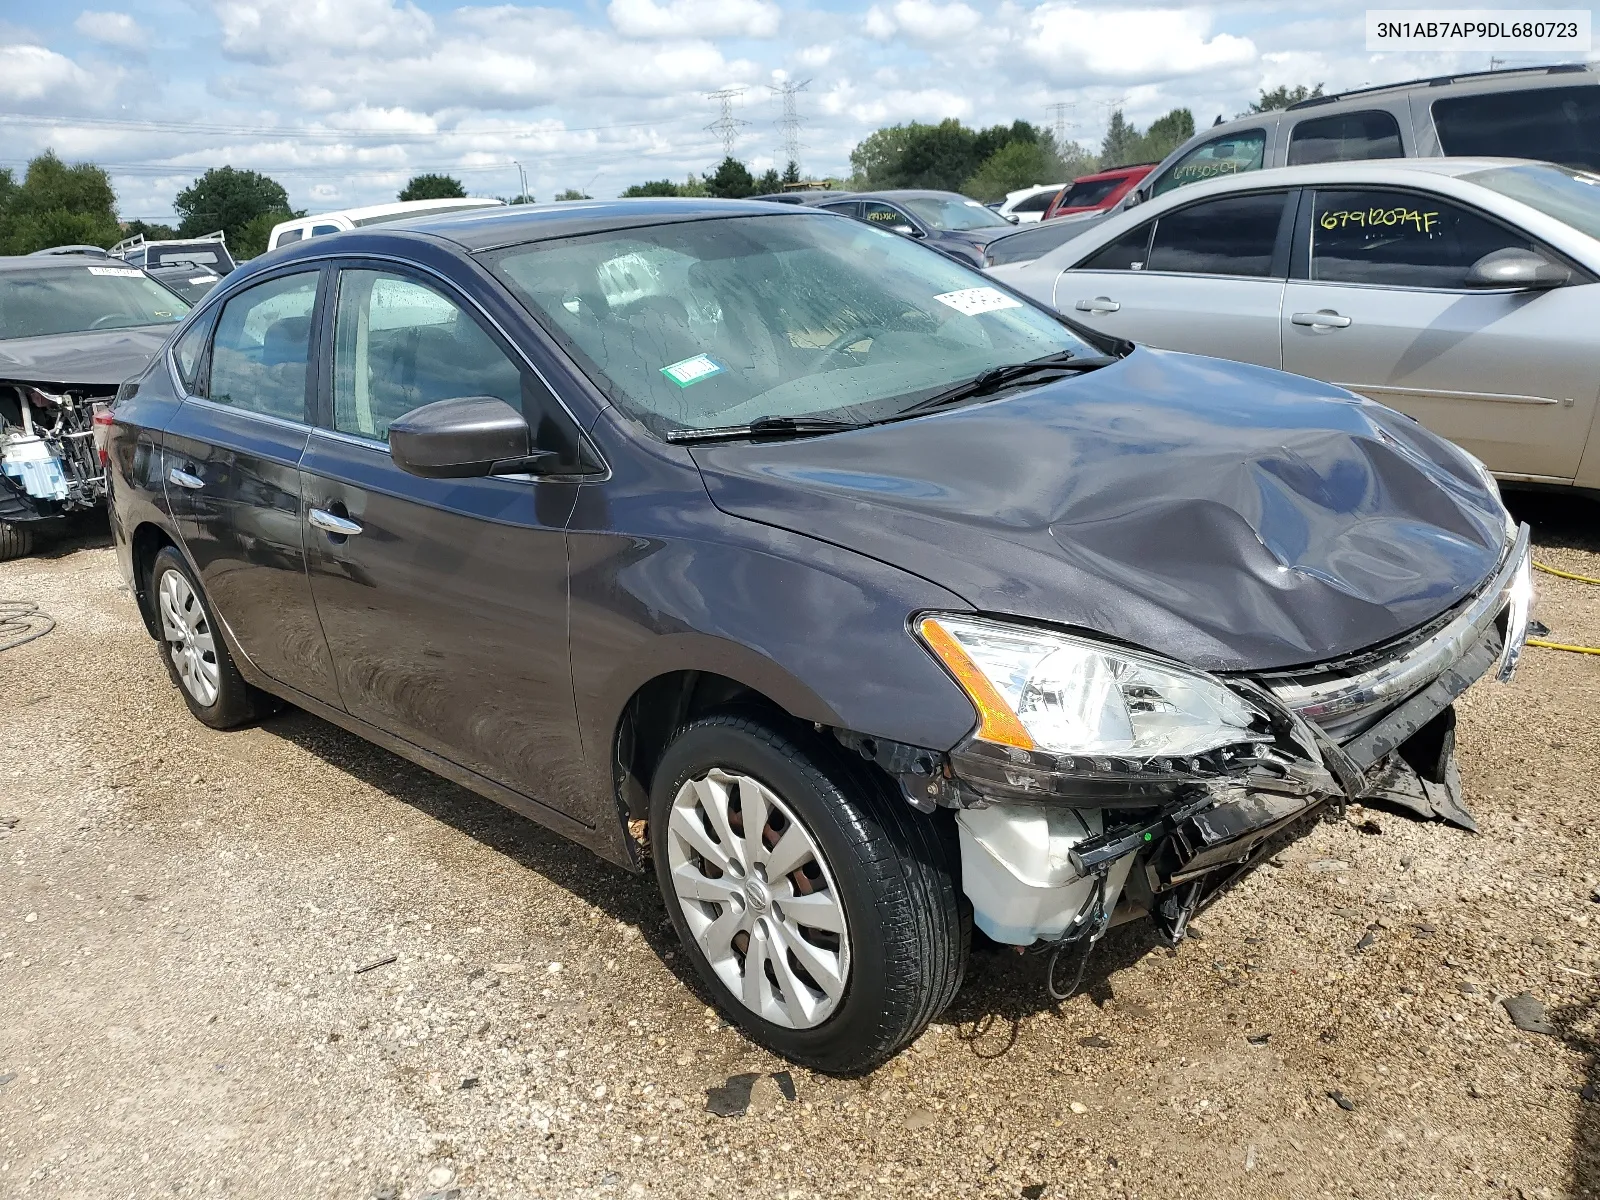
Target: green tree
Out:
[432,187]
[1166,134]
[251,239]
[655,187]
[228,199]
[731,180]
[57,205]
[573,194]
[769,181]
[791,173]
[875,161]
[153,231]
[1281,97]
[1121,143]
[1014,166]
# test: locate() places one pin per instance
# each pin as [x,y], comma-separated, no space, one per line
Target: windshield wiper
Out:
[764,427]
[997,378]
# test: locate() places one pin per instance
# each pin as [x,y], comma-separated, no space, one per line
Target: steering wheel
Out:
[841,344]
[108,317]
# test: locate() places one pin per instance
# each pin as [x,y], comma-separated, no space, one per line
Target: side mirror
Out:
[903,230]
[1013,218]
[462,438]
[1514,268]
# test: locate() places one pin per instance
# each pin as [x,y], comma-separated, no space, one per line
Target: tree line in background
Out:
[55,204]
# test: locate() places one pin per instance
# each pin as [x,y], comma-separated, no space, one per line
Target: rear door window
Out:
[263,345]
[1226,155]
[1400,239]
[1034,203]
[1128,253]
[1231,235]
[887,216]
[1345,137]
[1559,125]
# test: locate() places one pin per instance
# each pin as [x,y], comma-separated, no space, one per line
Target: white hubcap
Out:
[189,639]
[759,898]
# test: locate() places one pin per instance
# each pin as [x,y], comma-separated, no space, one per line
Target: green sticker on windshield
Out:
[692,370]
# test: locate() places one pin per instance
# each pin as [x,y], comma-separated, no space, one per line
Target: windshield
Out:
[1572,197]
[76,299]
[703,324]
[952,212]
[199,256]
[1091,191]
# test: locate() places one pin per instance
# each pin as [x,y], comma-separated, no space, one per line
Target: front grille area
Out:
[1345,699]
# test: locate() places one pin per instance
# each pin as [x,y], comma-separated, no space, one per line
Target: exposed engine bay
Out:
[49,463]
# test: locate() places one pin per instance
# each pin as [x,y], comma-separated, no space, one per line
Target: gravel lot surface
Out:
[184,915]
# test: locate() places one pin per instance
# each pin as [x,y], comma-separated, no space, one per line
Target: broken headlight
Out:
[1040,690]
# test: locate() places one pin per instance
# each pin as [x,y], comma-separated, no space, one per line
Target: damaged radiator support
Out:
[49,464]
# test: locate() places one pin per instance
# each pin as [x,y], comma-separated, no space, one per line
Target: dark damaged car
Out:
[72,328]
[856,598]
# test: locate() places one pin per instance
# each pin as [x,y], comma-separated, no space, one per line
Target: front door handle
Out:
[1100,304]
[332,523]
[1324,319]
[183,479]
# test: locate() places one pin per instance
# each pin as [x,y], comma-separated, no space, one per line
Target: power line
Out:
[1060,115]
[791,120]
[727,125]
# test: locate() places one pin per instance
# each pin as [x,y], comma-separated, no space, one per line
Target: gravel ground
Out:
[184,915]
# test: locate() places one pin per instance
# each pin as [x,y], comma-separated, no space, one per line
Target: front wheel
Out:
[16,541]
[817,906]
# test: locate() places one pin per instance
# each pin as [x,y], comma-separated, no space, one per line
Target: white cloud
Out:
[815,56]
[35,73]
[1134,45]
[694,18]
[279,30]
[923,21]
[111,29]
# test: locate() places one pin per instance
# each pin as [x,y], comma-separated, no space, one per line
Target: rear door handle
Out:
[1100,304]
[331,523]
[1326,319]
[183,479]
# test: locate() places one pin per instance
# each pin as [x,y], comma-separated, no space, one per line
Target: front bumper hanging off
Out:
[1159,837]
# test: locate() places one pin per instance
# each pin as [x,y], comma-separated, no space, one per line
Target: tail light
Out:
[102,431]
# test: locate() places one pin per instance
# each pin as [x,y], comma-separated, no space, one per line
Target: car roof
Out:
[488,228]
[366,212]
[1371,170]
[57,262]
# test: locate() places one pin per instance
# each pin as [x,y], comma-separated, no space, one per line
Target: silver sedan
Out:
[1462,292]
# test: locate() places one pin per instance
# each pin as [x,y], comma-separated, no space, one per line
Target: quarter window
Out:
[289,235]
[1232,235]
[1400,239]
[399,344]
[1345,138]
[1128,253]
[1227,155]
[1559,125]
[263,345]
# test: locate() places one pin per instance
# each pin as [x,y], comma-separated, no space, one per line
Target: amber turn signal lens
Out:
[996,721]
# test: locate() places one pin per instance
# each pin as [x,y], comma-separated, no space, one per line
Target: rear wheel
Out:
[818,907]
[16,541]
[194,650]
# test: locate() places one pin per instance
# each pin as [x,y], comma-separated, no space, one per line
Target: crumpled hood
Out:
[95,358]
[1229,516]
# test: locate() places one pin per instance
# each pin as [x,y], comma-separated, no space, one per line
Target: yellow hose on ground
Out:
[1549,570]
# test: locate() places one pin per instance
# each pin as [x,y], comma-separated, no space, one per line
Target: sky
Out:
[343,100]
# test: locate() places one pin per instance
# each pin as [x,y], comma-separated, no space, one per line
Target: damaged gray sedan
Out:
[856,597]
[72,328]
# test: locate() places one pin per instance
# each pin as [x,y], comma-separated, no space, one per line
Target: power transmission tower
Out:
[791,120]
[1060,116]
[727,125]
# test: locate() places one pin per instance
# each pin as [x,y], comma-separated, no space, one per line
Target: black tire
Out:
[236,701]
[16,541]
[894,868]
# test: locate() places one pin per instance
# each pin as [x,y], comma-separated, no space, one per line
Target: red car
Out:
[1097,192]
